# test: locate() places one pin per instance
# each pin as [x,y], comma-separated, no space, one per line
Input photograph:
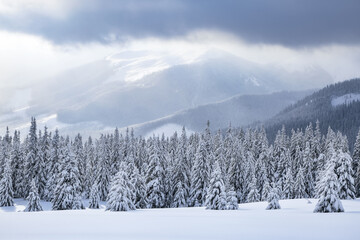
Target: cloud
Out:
[284,22]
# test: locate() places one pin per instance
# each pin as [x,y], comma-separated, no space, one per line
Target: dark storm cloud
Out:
[285,22]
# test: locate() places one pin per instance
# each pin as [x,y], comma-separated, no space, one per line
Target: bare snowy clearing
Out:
[295,220]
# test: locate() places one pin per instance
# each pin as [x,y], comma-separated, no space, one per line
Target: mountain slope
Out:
[336,105]
[239,111]
[185,86]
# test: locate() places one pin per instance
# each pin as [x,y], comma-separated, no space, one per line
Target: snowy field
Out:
[294,221]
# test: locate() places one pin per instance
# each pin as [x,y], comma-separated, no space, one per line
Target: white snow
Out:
[295,220]
[345,99]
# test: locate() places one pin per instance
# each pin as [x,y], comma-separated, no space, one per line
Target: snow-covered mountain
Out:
[136,87]
[239,111]
[336,105]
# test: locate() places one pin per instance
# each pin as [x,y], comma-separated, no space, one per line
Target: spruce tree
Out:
[200,176]
[155,195]
[328,191]
[120,195]
[67,193]
[216,194]
[273,198]
[288,189]
[356,164]
[6,191]
[33,163]
[94,198]
[232,201]
[299,186]
[265,191]
[253,195]
[344,172]
[139,184]
[17,165]
[34,199]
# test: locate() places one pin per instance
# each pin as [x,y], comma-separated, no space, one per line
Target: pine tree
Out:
[34,199]
[67,193]
[6,191]
[328,191]
[273,198]
[299,186]
[120,196]
[216,194]
[94,198]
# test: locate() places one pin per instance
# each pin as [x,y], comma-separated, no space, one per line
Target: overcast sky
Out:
[39,38]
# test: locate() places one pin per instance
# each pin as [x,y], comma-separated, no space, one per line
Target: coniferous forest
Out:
[202,169]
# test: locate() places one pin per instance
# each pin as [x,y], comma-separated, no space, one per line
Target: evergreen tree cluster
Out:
[204,169]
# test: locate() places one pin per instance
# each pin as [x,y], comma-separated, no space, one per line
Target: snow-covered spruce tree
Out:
[253,195]
[288,188]
[299,186]
[235,171]
[17,165]
[5,151]
[344,172]
[181,174]
[94,198]
[273,198]
[103,166]
[6,191]
[32,168]
[328,190]
[356,164]
[265,191]
[138,181]
[308,171]
[34,199]
[231,200]
[120,196]
[155,196]
[79,154]
[216,194]
[46,164]
[67,193]
[200,176]
[90,166]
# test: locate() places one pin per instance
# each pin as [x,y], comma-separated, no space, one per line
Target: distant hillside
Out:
[239,110]
[337,105]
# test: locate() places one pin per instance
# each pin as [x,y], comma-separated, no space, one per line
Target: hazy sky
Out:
[39,38]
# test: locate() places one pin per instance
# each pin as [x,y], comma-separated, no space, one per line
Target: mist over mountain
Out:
[136,87]
[239,111]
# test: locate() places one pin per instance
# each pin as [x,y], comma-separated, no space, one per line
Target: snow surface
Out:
[295,220]
[345,99]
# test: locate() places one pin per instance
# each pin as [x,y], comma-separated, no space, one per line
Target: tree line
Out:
[203,169]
